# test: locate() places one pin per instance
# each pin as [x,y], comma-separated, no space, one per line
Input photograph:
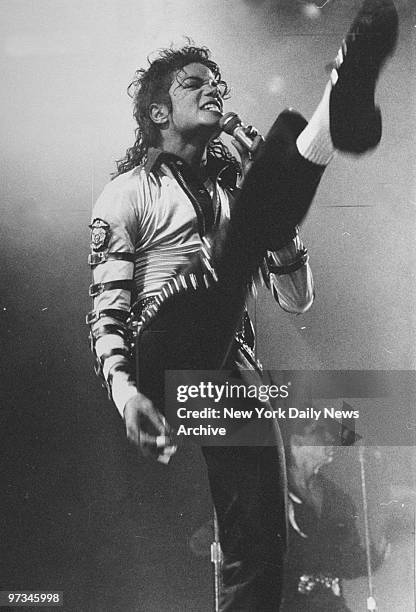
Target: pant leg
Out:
[276,195]
[248,491]
[247,483]
[277,191]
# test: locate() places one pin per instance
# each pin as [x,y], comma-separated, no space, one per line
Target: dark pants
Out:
[247,486]
[247,482]
[324,602]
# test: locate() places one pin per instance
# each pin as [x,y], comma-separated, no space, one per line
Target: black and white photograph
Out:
[208,331]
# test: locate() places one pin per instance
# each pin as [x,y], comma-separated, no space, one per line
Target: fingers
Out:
[146,442]
[245,154]
[167,454]
[256,142]
[251,131]
[147,429]
[242,151]
[161,447]
[164,436]
[153,415]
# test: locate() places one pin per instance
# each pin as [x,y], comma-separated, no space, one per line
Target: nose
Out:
[212,87]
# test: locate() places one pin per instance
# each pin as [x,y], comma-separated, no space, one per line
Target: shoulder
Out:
[124,185]
[121,195]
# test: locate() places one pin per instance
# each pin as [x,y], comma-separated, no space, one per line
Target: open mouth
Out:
[212,105]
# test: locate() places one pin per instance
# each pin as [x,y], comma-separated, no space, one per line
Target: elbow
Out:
[304,303]
[298,304]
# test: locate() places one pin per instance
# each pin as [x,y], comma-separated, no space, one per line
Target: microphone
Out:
[231,124]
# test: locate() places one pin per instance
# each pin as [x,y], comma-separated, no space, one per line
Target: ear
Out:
[159,113]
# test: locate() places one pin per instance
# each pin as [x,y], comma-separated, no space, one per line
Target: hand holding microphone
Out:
[246,139]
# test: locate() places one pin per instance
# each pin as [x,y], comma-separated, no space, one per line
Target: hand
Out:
[147,429]
[246,156]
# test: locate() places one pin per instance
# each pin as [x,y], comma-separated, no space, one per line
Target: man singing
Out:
[174,221]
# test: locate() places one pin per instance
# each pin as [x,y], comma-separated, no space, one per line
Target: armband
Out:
[116,367]
[104,330]
[94,259]
[99,288]
[123,352]
[114,313]
[300,260]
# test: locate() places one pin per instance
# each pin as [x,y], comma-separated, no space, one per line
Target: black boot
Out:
[355,121]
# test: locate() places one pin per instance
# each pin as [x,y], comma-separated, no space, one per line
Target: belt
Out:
[140,306]
[309,583]
[138,312]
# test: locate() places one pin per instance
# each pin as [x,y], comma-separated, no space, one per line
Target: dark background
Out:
[80,512]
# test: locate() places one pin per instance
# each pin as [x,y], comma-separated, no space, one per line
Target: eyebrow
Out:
[181,77]
[195,78]
[181,80]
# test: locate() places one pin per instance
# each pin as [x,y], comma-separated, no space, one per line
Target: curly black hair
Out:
[152,86]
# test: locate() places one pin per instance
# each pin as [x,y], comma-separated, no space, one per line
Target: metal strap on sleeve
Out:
[97,258]
[99,361]
[104,330]
[116,367]
[99,288]
[114,313]
[123,352]
[291,267]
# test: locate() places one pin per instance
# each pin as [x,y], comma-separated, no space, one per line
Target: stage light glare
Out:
[276,85]
[311,11]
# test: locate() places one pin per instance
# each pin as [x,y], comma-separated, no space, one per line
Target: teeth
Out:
[211,106]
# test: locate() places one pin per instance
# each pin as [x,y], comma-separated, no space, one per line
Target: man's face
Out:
[315,447]
[197,102]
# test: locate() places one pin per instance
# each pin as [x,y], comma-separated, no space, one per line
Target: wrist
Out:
[122,396]
[287,265]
